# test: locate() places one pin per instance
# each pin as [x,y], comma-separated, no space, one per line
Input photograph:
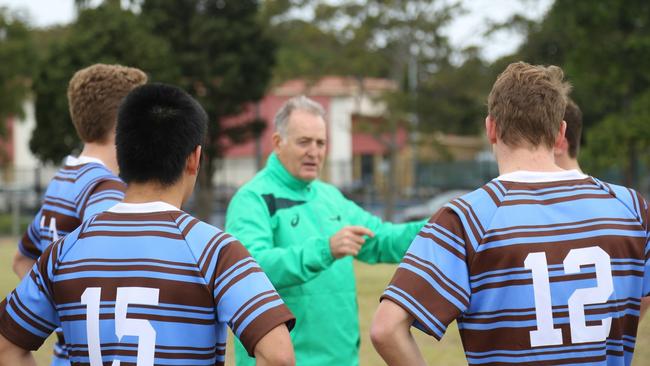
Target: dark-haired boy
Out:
[566,151]
[144,282]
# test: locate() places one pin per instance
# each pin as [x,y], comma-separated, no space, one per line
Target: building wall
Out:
[24,170]
[234,172]
[340,156]
[22,133]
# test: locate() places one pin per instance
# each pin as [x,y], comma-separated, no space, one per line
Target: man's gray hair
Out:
[300,102]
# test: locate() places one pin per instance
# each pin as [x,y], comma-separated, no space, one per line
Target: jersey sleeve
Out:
[28,315]
[245,298]
[29,244]
[103,196]
[432,281]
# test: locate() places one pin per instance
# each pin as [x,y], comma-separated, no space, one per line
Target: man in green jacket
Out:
[304,233]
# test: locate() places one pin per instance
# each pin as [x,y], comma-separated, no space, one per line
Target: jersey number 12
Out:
[546,334]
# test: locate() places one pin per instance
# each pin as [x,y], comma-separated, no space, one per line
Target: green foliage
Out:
[223,54]
[603,47]
[621,135]
[17,60]
[106,34]
[452,100]
[387,39]
[7,222]
[358,38]
[225,58]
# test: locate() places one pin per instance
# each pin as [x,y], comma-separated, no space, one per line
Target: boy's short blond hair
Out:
[94,96]
[527,102]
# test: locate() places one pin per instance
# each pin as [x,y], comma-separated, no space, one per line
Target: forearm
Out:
[12,355]
[390,242]
[400,351]
[294,265]
[22,264]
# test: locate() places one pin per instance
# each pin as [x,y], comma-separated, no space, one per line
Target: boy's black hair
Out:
[158,127]
[573,119]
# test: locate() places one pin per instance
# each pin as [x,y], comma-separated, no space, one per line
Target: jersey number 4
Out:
[123,326]
[546,334]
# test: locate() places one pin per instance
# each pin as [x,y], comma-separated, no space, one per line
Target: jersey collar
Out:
[147,207]
[74,161]
[526,176]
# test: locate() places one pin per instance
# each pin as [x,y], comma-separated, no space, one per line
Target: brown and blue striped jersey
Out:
[144,284]
[82,188]
[537,269]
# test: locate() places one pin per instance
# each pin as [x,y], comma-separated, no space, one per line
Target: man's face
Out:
[302,150]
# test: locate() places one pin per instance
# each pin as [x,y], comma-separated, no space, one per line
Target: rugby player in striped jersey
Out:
[87,184]
[145,283]
[540,266]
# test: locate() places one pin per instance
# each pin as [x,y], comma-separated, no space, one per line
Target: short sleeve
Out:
[432,281]
[245,298]
[28,315]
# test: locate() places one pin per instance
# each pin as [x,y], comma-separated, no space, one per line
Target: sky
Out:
[465,30]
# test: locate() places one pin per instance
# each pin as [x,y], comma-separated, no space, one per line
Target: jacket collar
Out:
[275,168]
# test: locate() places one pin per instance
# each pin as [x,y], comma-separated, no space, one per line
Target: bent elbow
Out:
[284,357]
[18,264]
[381,333]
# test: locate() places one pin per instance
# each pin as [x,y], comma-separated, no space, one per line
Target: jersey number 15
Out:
[123,326]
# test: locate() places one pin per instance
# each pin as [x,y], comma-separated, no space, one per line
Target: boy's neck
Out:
[567,163]
[152,192]
[104,152]
[510,160]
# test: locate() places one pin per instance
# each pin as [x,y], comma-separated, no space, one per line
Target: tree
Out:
[624,136]
[225,59]
[398,40]
[106,34]
[452,100]
[602,47]
[18,60]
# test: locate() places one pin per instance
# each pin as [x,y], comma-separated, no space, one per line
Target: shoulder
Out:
[92,171]
[327,188]
[482,202]
[259,182]
[635,203]
[255,187]
[200,236]
[247,197]
[93,177]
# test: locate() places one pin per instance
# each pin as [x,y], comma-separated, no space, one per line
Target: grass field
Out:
[371,281]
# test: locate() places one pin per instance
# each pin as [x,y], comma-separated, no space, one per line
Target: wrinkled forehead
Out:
[306,124]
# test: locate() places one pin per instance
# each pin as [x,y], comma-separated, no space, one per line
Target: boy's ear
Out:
[560,139]
[491,129]
[194,161]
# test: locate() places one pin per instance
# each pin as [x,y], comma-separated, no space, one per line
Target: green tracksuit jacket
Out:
[286,224]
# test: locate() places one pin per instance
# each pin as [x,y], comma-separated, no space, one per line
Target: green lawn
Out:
[371,281]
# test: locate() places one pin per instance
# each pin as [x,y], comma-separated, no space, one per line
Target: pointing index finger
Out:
[360,230]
